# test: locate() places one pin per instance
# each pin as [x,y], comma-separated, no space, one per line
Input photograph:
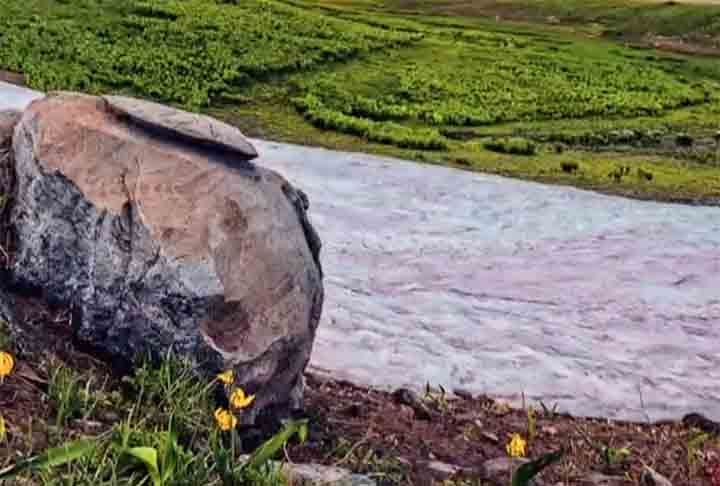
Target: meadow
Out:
[429,81]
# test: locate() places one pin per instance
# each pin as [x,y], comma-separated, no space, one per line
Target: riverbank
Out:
[56,392]
[561,102]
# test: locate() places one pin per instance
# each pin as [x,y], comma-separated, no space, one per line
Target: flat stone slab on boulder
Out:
[154,227]
[196,128]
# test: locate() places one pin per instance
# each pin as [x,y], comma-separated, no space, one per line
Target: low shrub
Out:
[643,174]
[619,172]
[684,140]
[380,132]
[569,167]
[514,145]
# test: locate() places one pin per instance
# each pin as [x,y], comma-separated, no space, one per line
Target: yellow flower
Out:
[3,430]
[7,363]
[226,377]
[225,419]
[517,447]
[239,400]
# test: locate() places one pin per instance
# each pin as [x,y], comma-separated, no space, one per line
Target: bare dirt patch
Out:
[370,431]
[17,79]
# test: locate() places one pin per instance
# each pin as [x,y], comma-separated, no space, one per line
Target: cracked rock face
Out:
[152,224]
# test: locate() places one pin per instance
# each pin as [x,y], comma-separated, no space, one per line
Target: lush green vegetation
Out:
[189,52]
[456,88]
[628,18]
[161,433]
[520,79]
[155,427]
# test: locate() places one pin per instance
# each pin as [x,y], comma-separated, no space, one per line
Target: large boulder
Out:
[156,229]
[8,120]
[6,314]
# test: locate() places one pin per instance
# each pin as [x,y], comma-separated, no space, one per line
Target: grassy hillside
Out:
[428,80]
[626,17]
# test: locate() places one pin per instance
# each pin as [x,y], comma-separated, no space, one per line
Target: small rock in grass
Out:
[442,470]
[466,417]
[501,467]
[597,479]
[491,437]
[403,396]
[464,394]
[316,475]
[701,422]
[110,417]
[651,477]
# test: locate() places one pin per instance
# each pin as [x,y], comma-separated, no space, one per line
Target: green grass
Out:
[163,433]
[436,88]
[190,52]
[437,83]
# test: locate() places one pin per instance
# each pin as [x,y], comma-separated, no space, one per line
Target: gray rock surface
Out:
[442,471]
[318,475]
[598,479]
[8,120]
[501,467]
[650,477]
[156,241]
[6,314]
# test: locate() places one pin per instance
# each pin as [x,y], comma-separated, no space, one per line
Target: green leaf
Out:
[170,454]
[72,451]
[149,457]
[170,459]
[303,433]
[698,440]
[525,473]
[56,456]
[268,450]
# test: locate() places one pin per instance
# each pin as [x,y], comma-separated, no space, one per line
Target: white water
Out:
[502,286]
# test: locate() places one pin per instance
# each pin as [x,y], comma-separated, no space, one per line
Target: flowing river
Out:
[605,305]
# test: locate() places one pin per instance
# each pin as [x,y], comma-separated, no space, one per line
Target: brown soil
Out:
[372,428]
[703,46]
[12,78]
